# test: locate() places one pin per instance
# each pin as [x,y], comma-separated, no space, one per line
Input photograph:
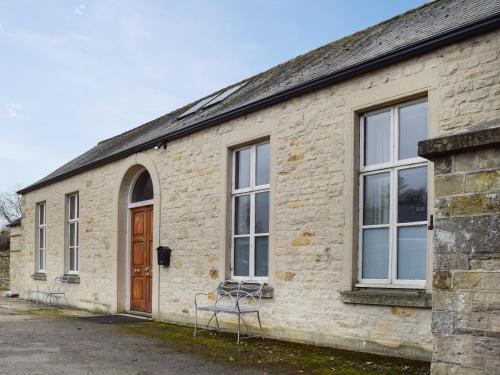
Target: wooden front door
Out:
[141,257]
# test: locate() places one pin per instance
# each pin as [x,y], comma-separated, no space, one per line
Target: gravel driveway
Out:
[58,341]
[40,344]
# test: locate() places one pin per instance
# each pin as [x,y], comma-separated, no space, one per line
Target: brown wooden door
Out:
[141,258]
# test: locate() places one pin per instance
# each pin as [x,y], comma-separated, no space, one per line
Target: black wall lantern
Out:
[164,255]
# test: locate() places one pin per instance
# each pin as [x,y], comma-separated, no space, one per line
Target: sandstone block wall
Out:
[308,206]
[4,270]
[466,298]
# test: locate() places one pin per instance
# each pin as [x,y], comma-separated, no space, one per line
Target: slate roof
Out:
[417,31]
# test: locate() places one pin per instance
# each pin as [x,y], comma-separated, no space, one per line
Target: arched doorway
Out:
[140,207]
[138,186]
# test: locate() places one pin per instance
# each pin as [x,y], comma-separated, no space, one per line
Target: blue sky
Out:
[75,72]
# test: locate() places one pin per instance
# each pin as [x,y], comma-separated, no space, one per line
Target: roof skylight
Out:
[211,100]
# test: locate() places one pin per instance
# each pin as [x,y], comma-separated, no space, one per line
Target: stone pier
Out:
[466,247]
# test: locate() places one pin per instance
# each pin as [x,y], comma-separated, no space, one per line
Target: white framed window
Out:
[250,212]
[41,237]
[73,225]
[393,200]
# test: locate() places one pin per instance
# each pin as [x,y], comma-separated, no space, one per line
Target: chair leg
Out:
[239,318]
[210,321]
[260,325]
[195,320]
[217,321]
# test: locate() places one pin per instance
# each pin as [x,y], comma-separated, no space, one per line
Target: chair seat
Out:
[228,309]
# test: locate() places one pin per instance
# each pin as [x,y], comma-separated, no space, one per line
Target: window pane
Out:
[262,212]
[412,195]
[72,259]
[242,214]
[77,239]
[72,207]
[261,255]
[72,234]
[412,252]
[77,203]
[241,256]
[375,253]
[41,214]
[412,128]
[377,138]
[376,205]
[41,238]
[242,178]
[143,188]
[41,260]
[262,164]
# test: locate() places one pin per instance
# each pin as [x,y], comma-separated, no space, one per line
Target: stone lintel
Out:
[486,135]
[388,297]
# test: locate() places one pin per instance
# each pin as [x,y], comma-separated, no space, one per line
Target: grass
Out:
[274,356]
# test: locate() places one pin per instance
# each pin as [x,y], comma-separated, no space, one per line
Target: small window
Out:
[73,230]
[250,221]
[393,188]
[143,188]
[41,237]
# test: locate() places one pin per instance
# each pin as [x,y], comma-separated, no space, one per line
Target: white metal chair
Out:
[236,299]
[56,289]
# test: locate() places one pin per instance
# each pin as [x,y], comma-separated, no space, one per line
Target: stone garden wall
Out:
[466,246]
[4,270]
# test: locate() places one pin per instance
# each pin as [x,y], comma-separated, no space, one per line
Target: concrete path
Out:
[37,343]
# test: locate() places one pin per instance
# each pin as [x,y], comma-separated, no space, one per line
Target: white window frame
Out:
[73,221]
[251,191]
[41,251]
[393,167]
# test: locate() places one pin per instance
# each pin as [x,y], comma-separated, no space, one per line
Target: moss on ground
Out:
[274,356]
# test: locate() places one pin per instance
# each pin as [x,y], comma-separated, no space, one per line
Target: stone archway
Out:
[131,169]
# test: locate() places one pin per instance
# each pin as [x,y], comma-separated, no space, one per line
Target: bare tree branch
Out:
[10,207]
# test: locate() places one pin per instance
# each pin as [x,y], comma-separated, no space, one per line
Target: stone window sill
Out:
[39,276]
[388,297]
[73,279]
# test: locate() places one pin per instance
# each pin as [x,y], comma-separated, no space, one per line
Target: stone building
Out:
[305,176]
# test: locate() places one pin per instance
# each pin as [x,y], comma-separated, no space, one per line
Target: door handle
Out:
[137,270]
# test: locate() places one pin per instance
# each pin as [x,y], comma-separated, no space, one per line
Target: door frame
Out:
[128,168]
[128,254]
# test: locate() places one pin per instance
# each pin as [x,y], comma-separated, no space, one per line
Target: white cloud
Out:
[79,10]
[14,110]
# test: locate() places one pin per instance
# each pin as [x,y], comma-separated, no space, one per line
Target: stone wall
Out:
[311,164]
[4,270]
[466,267]
[15,264]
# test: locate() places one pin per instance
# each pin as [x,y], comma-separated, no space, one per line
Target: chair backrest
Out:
[239,294]
[250,293]
[59,283]
[227,293]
